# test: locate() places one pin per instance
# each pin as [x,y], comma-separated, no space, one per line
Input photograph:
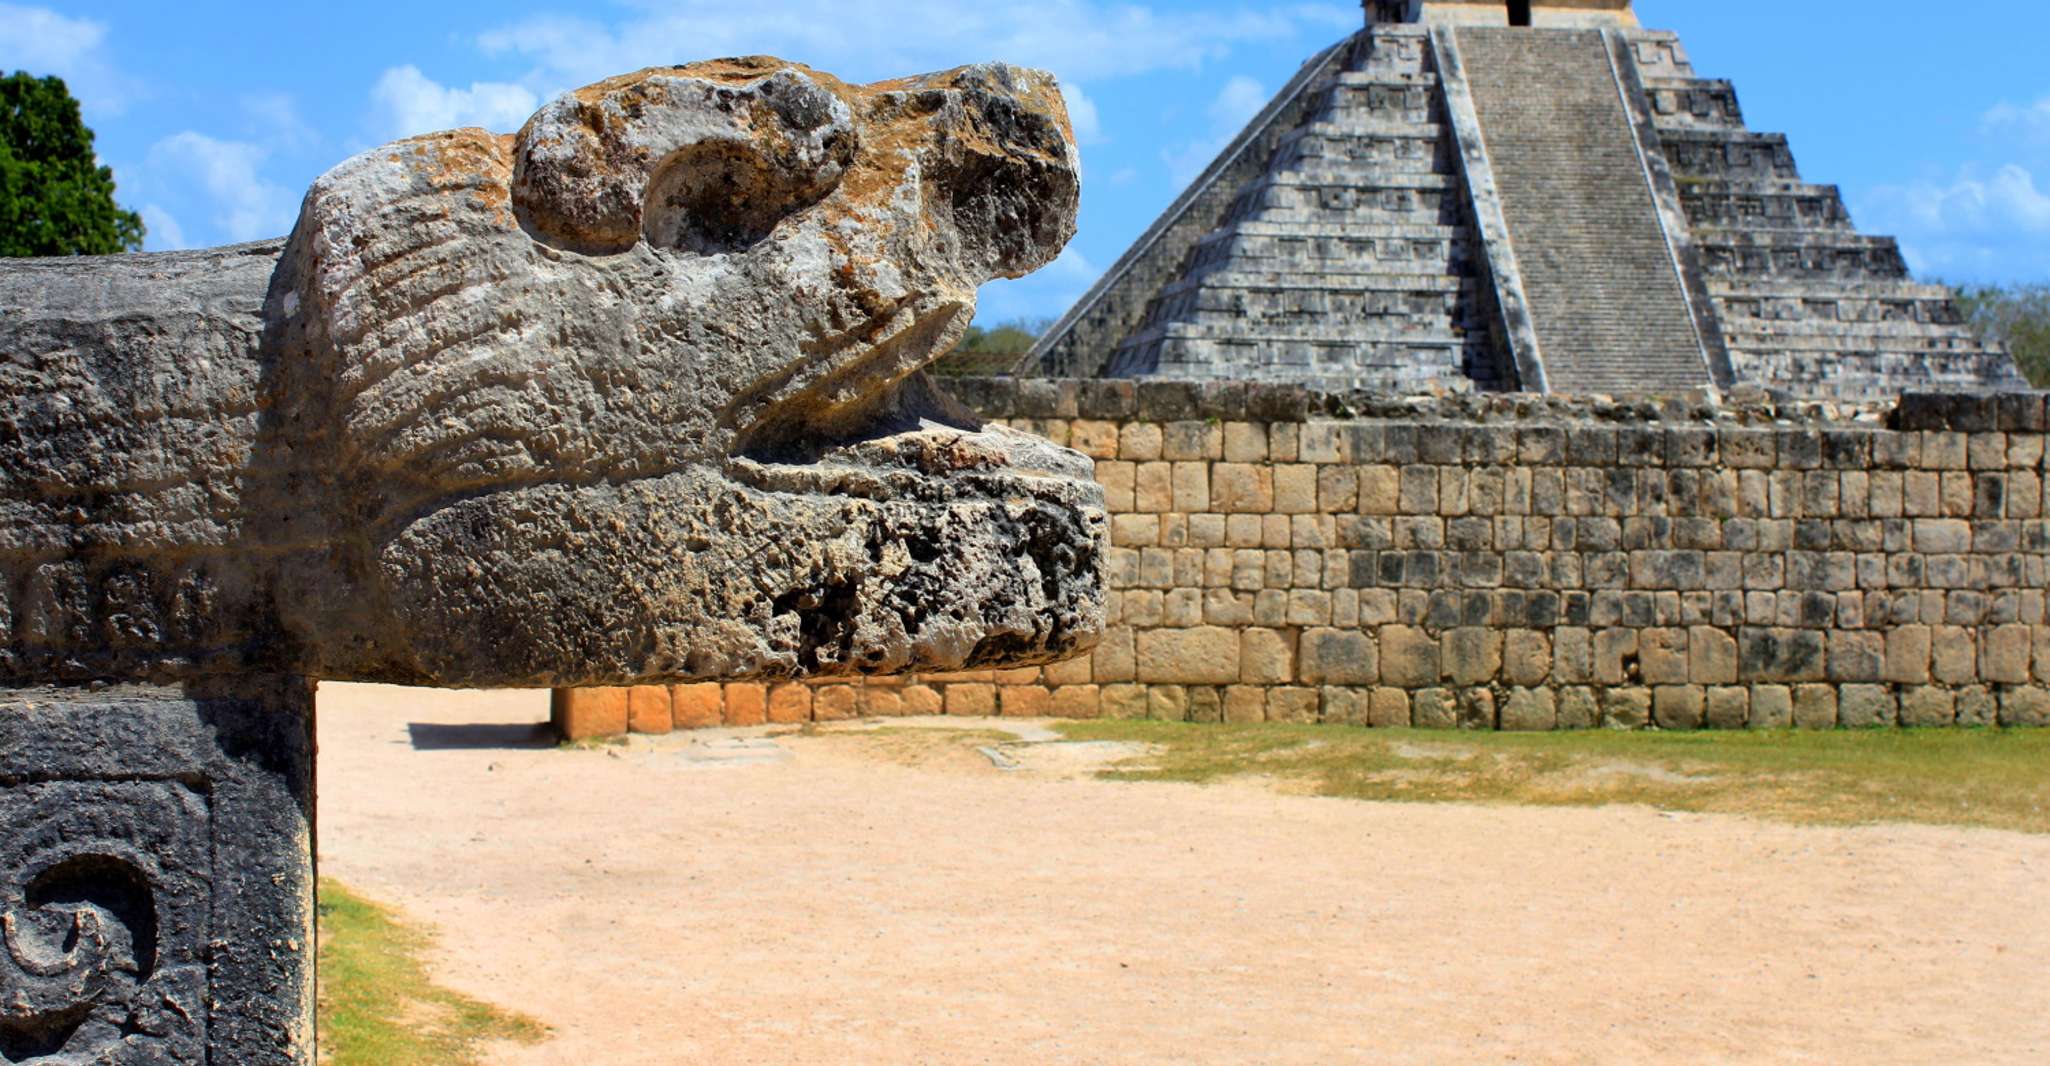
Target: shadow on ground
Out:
[470,736]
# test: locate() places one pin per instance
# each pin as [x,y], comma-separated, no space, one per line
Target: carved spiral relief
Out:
[102,915]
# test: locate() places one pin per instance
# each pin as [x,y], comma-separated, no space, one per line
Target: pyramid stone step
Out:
[1812,254]
[1694,103]
[1754,205]
[1728,154]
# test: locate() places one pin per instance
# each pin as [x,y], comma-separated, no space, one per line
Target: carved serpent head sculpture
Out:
[630,395]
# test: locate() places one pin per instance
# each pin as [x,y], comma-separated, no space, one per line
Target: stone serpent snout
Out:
[632,394]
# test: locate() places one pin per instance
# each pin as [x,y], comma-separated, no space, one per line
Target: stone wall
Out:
[1516,562]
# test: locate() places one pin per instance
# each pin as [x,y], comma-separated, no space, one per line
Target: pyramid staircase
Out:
[1605,293]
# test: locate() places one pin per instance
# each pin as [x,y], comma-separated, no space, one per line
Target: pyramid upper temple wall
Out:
[1543,13]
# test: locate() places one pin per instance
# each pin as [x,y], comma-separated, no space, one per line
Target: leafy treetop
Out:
[2018,316]
[55,198]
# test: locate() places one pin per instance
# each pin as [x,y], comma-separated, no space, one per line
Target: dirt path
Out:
[808,901]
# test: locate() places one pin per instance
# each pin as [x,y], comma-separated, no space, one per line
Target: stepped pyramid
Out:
[1478,194]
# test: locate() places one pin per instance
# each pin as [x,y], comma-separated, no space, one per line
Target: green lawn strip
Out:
[1970,777]
[377,1006]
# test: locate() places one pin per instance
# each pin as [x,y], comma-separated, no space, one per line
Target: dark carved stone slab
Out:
[156,888]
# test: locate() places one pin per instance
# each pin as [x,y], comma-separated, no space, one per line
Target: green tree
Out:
[2015,315]
[55,198]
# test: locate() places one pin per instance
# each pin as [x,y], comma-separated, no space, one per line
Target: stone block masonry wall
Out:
[1521,562]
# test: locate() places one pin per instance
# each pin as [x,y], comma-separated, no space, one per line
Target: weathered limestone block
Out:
[791,703]
[1339,657]
[1866,706]
[968,700]
[1530,710]
[1472,655]
[2025,706]
[1729,707]
[1579,708]
[1290,703]
[1526,657]
[1167,703]
[1772,707]
[1245,703]
[1477,709]
[1124,701]
[1679,706]
[1388,708]
[1266,657]
[647,709]
[630,397]
[1927,705]
[1076,701]
[1206,655]
[748,704]
[1815,706]
[832,703]
[1626,708]
[1347,705]
[1409,658]
[1435,708]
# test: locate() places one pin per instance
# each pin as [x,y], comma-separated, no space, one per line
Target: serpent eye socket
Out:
[721,196]
[703,160]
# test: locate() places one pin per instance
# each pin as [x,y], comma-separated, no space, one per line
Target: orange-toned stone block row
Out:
[1056,692]
[600,712]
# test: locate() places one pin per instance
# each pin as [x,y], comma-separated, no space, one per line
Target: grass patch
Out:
[918,746]
[592,743]
[377,1007]
[1969,777]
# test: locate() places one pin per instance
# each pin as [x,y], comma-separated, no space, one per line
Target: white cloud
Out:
[1978,224]
[1083,40]
[2025,120]
[44,42]
[408,102]
[162,232]
[224,176]
[1073,266]
[276,120]
[1235,105]
[1082,114]
[1982,222]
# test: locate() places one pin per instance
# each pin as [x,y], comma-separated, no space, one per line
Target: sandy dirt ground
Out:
[741,899]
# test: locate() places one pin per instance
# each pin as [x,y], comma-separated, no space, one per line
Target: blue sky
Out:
[216,116]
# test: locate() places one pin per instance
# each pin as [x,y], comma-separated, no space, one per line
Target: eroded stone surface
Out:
[631,395]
